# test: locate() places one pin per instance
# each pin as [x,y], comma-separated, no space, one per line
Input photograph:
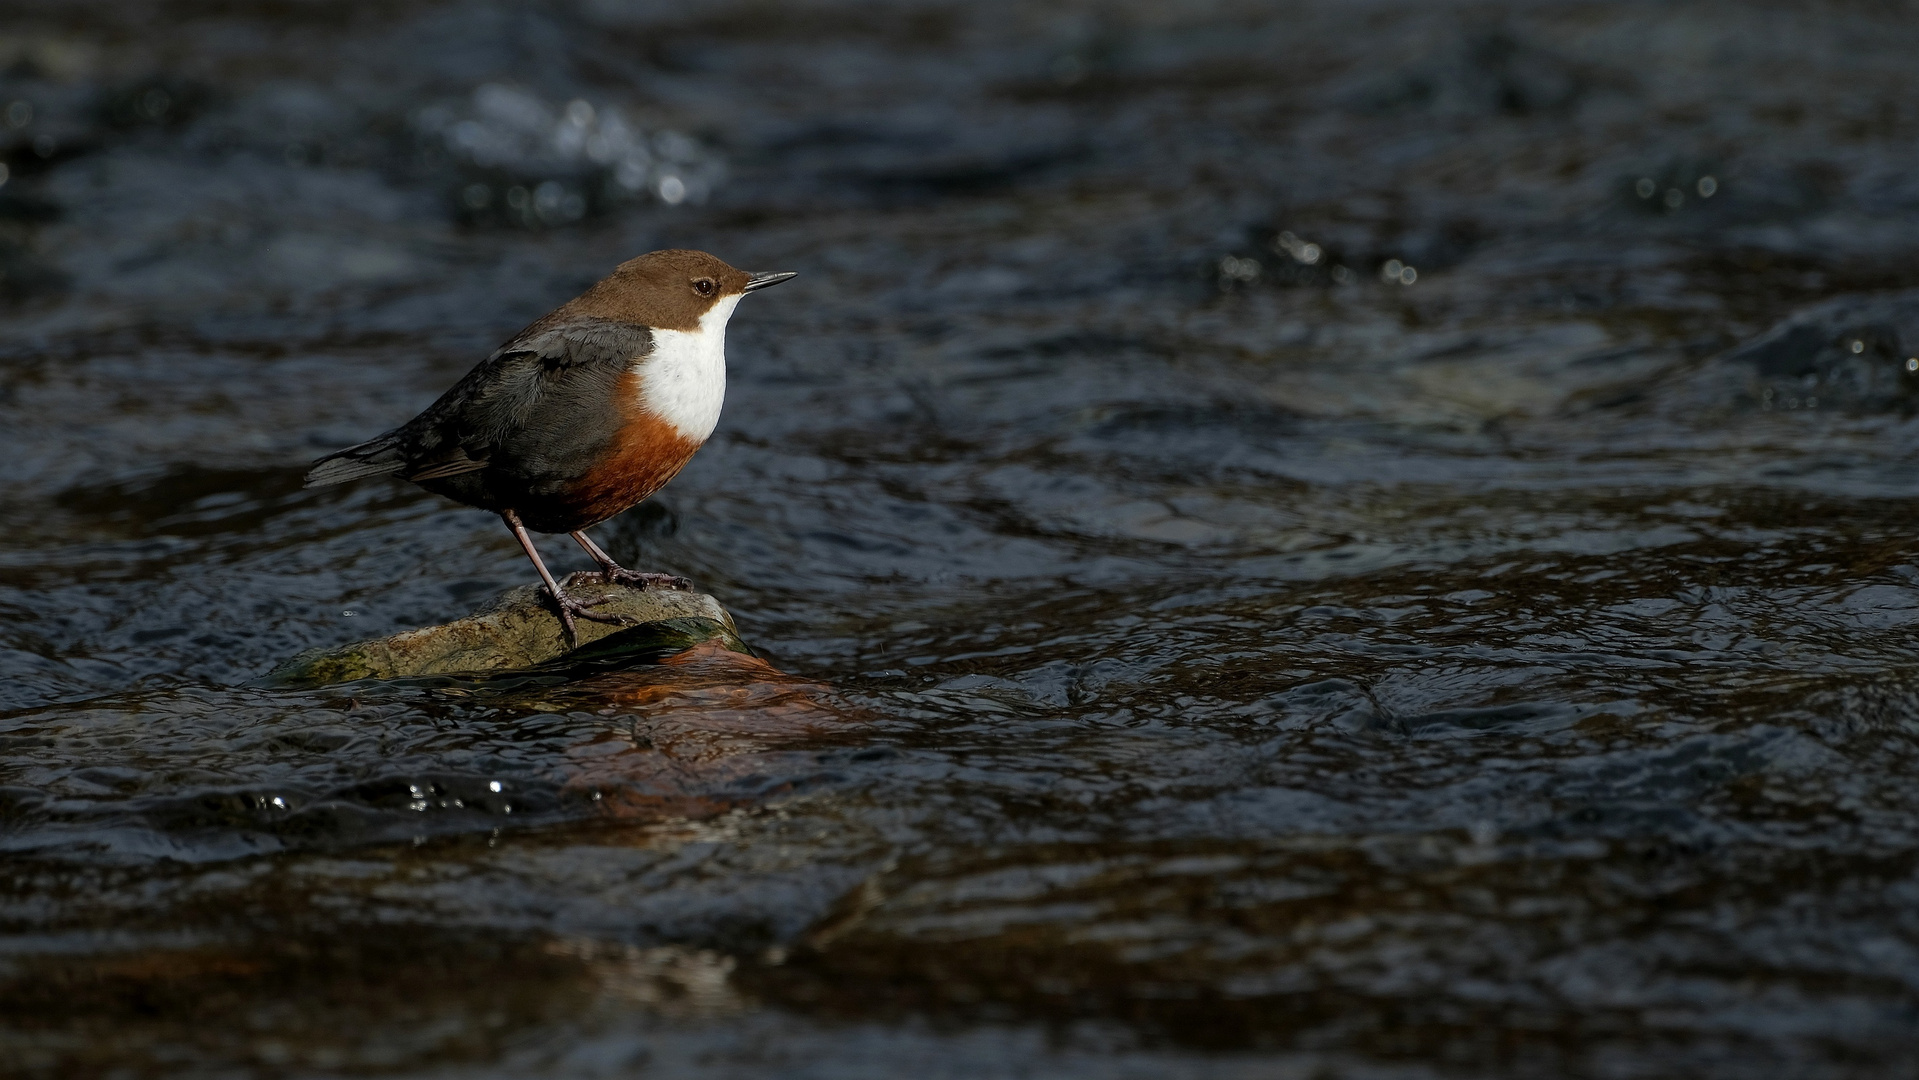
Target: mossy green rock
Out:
[519,631]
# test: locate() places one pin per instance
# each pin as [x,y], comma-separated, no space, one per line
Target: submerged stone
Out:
[519,631]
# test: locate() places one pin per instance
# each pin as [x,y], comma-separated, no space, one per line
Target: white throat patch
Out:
[683,380]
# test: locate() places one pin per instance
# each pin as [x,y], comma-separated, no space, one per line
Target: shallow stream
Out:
[1321,539]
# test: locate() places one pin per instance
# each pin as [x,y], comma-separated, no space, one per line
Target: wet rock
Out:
[519,631]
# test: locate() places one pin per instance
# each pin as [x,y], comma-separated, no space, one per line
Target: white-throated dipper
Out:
[579,416]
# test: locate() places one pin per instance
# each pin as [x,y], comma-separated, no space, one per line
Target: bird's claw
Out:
[570,609]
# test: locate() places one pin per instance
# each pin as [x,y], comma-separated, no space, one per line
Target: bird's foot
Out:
[617,575]
[571,609]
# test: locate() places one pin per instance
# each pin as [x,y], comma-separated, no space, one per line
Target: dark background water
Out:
[1217,649]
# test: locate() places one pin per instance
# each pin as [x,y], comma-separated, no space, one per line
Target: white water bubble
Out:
[1645,187]
[542,144]
[1234,268]
[1302,251]
[1707,186]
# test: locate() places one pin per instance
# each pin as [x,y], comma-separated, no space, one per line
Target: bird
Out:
[578,417]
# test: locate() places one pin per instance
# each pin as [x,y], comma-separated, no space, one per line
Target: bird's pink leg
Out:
[613,573]
[567,606]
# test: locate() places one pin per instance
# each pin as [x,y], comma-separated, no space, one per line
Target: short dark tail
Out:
[375,457]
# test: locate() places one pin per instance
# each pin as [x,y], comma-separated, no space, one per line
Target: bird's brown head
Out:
[668,290]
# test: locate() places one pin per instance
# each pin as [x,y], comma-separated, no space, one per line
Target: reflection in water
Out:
[705,732]
[1317,542]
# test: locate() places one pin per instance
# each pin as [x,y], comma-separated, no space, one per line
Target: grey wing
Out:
[431,445]
[557,395]
[531,397]
[555,374]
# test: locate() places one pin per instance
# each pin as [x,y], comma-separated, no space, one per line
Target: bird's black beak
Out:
[768,277]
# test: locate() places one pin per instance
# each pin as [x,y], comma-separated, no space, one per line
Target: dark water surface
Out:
[1335,540]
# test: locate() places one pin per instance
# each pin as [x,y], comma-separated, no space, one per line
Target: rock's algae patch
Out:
[519,631]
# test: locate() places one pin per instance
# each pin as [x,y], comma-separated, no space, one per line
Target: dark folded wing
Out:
[376,457]
[555,375]
[451,465]
[557,371]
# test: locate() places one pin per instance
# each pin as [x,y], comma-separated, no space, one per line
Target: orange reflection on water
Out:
[704,732]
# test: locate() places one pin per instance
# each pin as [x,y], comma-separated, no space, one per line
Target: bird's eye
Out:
[704,286]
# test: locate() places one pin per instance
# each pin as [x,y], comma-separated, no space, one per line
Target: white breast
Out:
[683,380]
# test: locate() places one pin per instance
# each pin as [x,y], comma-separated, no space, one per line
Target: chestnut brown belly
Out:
[638,462]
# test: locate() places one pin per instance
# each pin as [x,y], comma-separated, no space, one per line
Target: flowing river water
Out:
[1347,539]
